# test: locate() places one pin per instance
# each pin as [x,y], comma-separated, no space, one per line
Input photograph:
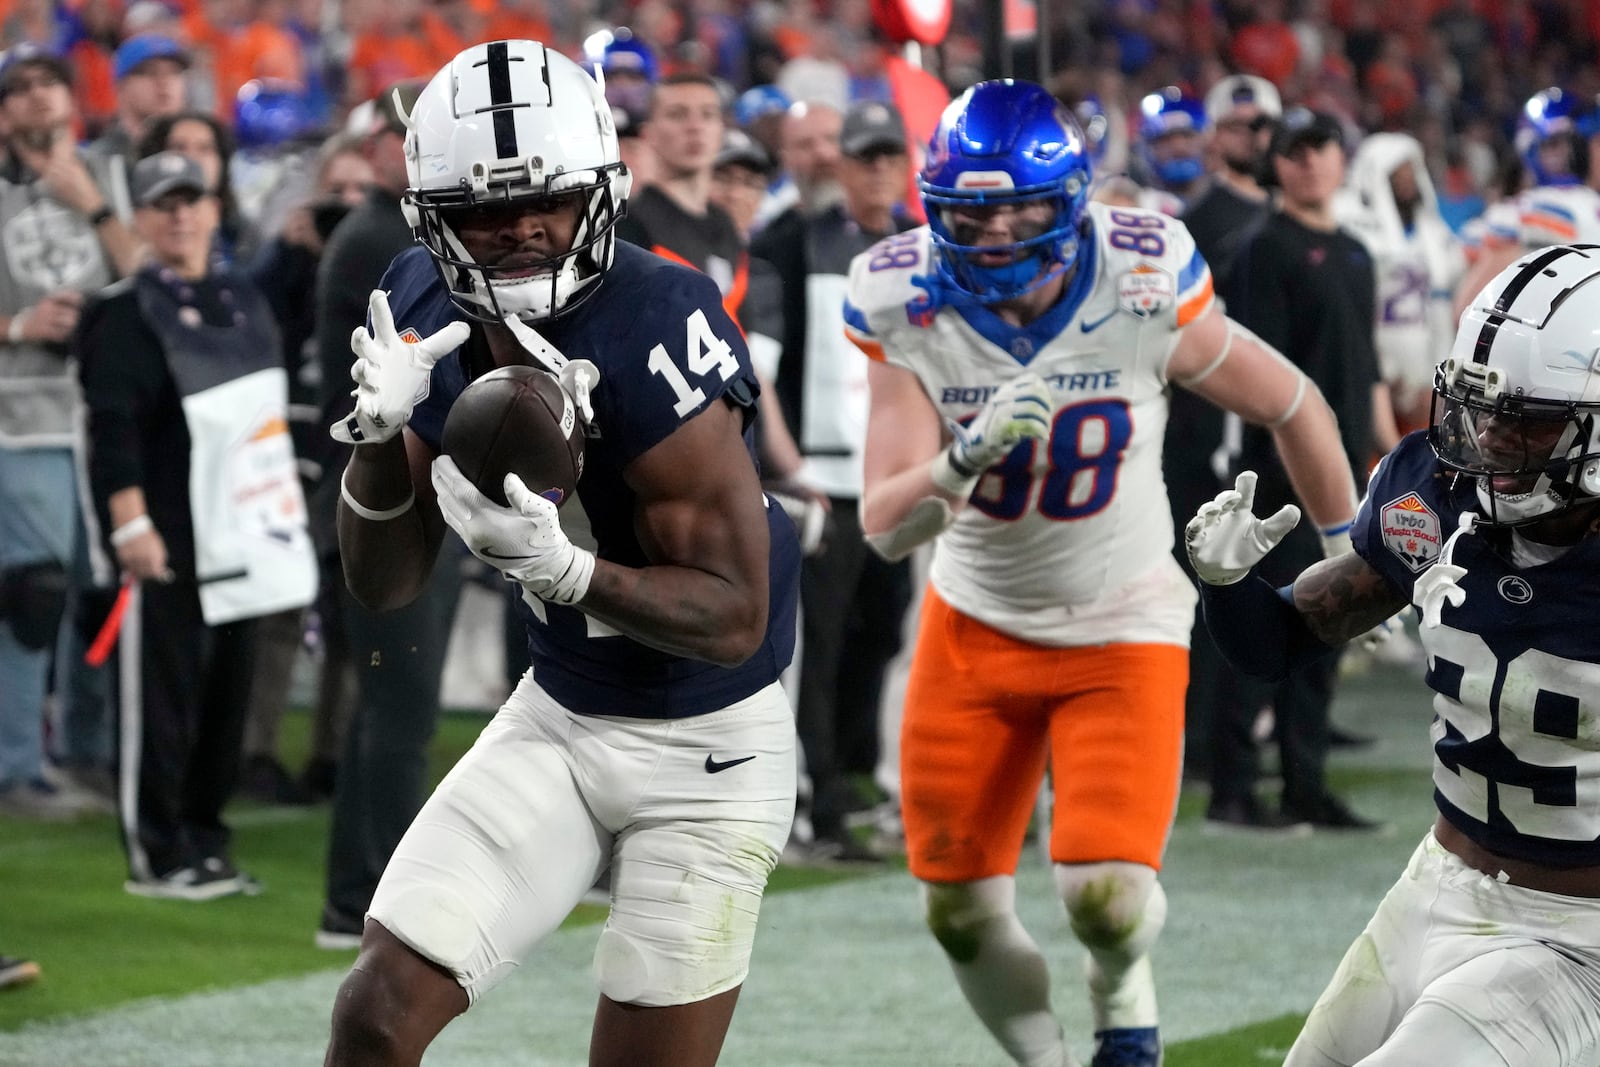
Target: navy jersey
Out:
[666,350]
[1515,668]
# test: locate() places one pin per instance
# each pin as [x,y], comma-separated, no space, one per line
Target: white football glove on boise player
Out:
[1225,539]
[1019,409]
[524,542]
[391,374]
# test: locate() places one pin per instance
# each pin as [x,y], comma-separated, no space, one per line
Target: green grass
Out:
[64,906]
[62,903]
[1262,1043]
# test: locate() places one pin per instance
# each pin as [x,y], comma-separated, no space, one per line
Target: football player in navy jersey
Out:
[1487,950]
[651,735]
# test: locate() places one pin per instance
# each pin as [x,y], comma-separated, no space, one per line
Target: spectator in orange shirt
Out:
[1391,87]
[1267,46]
[245,43]
[96,26]
[399,40]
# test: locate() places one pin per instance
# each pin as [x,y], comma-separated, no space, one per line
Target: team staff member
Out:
[193,475]
[1054,627]
[853,603]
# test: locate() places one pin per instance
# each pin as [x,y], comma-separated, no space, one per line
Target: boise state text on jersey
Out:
[1063,532]
[1515,668]
[665,350]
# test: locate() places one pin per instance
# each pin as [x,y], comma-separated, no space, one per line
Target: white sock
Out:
[1005,980]
[1117,911]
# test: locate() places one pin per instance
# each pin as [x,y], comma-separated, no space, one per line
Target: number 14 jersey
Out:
[1067,541]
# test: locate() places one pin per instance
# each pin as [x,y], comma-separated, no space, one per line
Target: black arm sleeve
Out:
[1257,628]
[122,370]
[1264,281]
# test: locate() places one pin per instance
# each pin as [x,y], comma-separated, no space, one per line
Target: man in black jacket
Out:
[1307,288]
[399,655]
[853,602]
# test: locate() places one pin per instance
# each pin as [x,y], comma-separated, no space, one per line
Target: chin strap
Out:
[532,340]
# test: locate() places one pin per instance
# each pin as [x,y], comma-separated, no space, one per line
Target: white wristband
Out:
[137,526]
[1335,540]
[14,328]
[952,481]
[373,514]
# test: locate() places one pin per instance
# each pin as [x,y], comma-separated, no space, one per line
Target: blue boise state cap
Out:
[140,49]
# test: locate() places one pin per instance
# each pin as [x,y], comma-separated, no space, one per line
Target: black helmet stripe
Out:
[498,62]
[1508,296]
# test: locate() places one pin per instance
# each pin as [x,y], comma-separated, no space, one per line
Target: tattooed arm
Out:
[1270,633]
[1342,598]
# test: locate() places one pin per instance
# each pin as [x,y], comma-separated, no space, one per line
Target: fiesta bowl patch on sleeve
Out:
[1411,531]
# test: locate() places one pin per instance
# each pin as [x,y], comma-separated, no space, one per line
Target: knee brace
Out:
[957,912]
[1113,906]
[33,598]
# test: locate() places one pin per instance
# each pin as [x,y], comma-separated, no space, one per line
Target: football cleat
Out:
[1131,1047]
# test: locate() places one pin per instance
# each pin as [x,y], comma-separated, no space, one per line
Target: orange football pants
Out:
[984,711]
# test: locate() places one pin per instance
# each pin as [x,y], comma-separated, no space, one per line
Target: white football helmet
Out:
[508,121]
[1517,404]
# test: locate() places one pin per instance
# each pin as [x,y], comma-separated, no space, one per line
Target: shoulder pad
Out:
[1138,248]
[891,285]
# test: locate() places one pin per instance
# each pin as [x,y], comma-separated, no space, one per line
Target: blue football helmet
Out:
[268,113]
[1005,142]
[757,102]
[1165,112]
[1548,115]
[618,51]
[1096,124]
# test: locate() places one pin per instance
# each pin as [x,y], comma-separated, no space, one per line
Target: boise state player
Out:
[651,735]
[1487,950]
[1552,141]
[1046,331]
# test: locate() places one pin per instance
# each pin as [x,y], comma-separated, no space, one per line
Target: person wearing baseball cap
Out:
[27,58]
[189,462]
[819,377]
[1301,128]
[1308,288]
[164,174]
[1240,110]
[739,178]
[151,72]
[1245,97]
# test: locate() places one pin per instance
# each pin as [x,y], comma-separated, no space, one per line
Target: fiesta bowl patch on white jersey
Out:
[1145,291]
[1411,531]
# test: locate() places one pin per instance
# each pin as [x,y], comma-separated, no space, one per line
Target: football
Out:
[516,420]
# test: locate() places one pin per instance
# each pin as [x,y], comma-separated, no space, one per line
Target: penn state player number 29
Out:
[1085,450]
[707,352]
[1539,705]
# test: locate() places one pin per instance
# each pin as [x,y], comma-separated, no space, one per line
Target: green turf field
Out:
[844,974]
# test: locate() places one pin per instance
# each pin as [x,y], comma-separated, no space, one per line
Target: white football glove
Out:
[1225,539]
[1019,409]
[524,542]
[391,374]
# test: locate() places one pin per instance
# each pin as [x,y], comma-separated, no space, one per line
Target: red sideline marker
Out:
[106,639]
